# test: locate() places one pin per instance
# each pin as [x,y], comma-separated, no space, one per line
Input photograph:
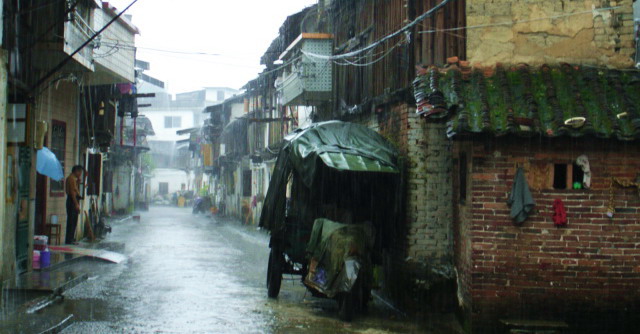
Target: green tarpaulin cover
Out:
[338,145]
[330,245]
[342,146]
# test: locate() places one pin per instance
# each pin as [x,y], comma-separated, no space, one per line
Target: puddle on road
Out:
[188,276]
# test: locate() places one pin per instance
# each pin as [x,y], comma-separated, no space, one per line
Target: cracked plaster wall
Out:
[598,37]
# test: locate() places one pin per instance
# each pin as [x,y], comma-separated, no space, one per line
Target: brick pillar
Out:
[429,200]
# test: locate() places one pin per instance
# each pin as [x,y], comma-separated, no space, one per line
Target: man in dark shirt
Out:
[73,206]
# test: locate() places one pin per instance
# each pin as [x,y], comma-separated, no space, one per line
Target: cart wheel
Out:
[274,274]
[346,306]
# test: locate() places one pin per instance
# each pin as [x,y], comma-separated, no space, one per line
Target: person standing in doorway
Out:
[73,205]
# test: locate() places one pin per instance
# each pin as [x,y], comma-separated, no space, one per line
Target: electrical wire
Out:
[377,43]
[355,63]
[68,58]
[507,23]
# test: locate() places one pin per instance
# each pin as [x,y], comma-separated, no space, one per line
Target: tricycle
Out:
[331,208]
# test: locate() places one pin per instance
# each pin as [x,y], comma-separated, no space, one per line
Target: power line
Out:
[507,23]
[68,58]
[377,43]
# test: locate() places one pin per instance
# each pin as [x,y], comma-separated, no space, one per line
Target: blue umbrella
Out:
[47,164]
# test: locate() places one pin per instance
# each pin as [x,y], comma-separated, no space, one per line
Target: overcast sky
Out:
[239,30]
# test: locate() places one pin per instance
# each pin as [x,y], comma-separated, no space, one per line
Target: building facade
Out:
[57,69]
[471,254]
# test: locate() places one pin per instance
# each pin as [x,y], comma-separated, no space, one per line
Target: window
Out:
[578,177]
[164,188]
[172,122]
[567,176]
[58,143]
[246,183]
[220,96]
[560,176]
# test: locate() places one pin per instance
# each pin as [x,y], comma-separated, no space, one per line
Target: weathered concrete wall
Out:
[603,38]
[59,102]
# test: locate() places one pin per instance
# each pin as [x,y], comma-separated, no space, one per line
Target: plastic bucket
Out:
[45,259]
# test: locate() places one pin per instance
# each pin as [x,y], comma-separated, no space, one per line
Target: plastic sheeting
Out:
[338,145]
[337,253]
[341,146]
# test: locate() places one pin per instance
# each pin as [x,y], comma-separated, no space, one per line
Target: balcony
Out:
[76,32]
[306,81]
[115,54]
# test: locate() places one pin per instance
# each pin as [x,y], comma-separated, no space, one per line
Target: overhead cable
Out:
[68,58]
[508,23]
[379,42]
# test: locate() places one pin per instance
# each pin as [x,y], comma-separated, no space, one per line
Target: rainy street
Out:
[320,166]
[189,273]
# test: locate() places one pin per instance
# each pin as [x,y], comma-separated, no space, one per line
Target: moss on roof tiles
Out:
[528,100]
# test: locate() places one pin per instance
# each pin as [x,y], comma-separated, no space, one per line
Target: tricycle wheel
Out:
[274,273]
[346,306]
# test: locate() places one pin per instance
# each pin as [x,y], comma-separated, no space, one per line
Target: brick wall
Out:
[588,37]
[580,273]
[426,156]
[413,270]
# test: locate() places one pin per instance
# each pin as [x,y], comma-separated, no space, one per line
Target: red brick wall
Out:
[537,270]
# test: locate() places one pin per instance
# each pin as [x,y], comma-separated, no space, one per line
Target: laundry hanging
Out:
[559,213]
[583,163]
[520,199]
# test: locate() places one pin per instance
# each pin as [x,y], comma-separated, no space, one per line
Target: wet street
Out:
[188,273]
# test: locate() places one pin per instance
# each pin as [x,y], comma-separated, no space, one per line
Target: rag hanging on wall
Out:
[559,213]
[583,162]
[520,200]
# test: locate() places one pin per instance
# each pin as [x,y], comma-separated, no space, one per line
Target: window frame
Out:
[57,188]
[174,122]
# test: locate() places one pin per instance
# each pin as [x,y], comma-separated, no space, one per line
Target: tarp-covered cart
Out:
[331,208]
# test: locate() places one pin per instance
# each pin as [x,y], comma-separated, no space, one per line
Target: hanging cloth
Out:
[583,162]
[520,199]
[559,213]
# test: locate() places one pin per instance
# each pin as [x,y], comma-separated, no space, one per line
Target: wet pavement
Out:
[195,274]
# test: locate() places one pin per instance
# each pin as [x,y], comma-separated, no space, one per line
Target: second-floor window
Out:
[172,122]
[58,147]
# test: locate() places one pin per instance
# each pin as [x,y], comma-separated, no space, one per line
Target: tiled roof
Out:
[549,101]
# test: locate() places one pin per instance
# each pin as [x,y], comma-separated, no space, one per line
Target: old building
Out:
[469,250]
[246,131]
[57,65]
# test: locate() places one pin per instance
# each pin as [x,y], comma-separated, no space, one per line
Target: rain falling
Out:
[319,166]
